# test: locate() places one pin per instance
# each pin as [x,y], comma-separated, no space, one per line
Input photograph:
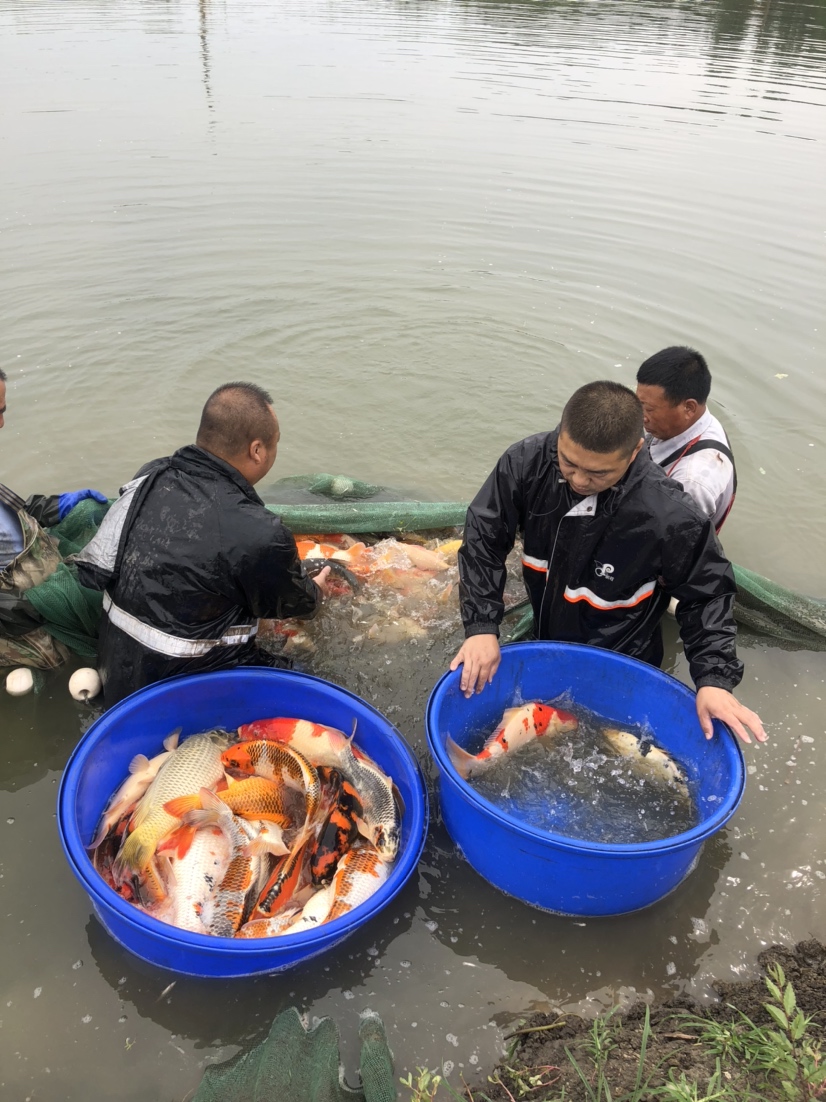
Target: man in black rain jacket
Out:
[189,557]
[608,539]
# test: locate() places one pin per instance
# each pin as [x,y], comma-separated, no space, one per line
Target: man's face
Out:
[589,472]
[2,403]
[660,417]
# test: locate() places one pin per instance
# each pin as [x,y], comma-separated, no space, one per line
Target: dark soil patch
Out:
[538,1068]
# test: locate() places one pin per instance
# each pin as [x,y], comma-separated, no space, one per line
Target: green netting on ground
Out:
[72,613]
[302,1065]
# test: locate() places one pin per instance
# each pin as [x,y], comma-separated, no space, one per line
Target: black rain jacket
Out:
[601,570]
[198,555]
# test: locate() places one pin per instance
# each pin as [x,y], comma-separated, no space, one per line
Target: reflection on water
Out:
[422,226]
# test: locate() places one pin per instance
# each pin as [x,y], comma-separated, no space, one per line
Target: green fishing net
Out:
[72,613]
[303,1065]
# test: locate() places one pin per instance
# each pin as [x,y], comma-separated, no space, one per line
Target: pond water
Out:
[421,226]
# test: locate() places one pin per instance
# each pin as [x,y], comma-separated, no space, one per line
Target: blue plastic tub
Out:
[548,870]
[229,698]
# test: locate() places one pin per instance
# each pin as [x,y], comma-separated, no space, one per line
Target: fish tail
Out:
[180,805]
[465,764]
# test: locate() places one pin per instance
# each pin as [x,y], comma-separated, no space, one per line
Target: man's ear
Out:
[636,450]
[691,405]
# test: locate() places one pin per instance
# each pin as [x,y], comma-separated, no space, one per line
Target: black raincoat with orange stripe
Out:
[601,570]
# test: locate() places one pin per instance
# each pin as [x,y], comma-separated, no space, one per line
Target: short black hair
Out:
[681,372]
[604,417]
[2,375]
[234,415]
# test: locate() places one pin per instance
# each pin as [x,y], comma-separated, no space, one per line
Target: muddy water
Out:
[421,226]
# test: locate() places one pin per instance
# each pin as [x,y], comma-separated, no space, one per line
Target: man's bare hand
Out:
[721,704]
[321,579]
[479,657]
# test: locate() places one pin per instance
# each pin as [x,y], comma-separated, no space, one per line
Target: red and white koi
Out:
[517,727]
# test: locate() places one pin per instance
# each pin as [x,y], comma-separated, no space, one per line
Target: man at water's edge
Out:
[608,539]
[189,558]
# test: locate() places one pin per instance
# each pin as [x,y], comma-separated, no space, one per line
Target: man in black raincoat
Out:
[189,558]
[608,540]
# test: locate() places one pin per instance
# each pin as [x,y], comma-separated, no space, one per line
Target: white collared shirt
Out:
[708,475]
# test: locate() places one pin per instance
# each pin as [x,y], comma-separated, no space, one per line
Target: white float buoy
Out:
[19,682]
[84,683]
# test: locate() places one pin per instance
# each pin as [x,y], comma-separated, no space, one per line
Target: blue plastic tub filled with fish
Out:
[580,781]
[241,822]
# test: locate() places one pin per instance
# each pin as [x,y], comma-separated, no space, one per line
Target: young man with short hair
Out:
[687,441]
[608,539]
[189,558]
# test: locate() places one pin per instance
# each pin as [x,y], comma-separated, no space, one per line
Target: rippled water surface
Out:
[421,225]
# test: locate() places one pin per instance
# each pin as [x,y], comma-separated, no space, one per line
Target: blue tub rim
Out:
[676,842]
[99,891]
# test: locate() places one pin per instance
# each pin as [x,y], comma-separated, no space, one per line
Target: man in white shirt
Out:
[685,439]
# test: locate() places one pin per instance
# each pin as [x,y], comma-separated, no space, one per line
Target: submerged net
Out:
[72,613]
[303,1065]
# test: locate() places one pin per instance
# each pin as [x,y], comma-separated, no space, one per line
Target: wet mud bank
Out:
[757,1042]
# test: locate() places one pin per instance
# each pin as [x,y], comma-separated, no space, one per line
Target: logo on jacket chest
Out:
[604,570]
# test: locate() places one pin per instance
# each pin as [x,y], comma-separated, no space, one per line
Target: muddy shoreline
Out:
[667,1053]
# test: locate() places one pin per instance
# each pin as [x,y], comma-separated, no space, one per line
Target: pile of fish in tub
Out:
[274,829]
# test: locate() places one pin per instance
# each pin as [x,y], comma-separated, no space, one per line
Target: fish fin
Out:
[262,844]
[99,836]
[139,763]
[178,840]
[180,805]
[171,741]
[397,796]
[465,764]
[210,813]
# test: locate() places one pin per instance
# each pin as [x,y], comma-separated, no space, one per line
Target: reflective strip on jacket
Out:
[601,570]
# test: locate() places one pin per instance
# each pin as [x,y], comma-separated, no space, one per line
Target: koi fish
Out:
[277,763]
[360,874]
[287,878]
[223,911]
[331,747]
[195,764]
[271,927]
[647,759]
[251,798]
[142,772]
[517,727]
[314,912]
[192,879]
[338,832]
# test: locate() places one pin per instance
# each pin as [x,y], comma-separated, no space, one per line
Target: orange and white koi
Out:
[271,927]
[195,764]
[277,763]
[360,873]
[331,747]
[251,798]
[517,727]
[142,771]
[287,878]
[224,909]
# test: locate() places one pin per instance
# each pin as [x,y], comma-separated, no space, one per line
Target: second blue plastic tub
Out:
[563,874]
[227,699]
